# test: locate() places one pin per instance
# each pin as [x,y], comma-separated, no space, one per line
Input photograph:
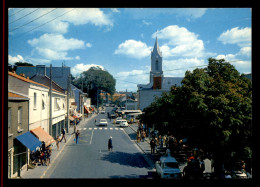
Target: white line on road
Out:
[84,128]
[111,128]
[95,128]
[105,128]
[90,128]
[116,128]
[100,128]
[91,138]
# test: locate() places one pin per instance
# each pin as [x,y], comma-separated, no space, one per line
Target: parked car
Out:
[123,123]
[103,122]
[168,167]
[118,120]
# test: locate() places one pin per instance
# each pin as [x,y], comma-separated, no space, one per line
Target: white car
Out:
[123,123]
[103,122]
[168,167]
[118,120]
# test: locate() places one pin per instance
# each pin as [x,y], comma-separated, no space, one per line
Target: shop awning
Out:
[29,141]
[86,108]
[43,135]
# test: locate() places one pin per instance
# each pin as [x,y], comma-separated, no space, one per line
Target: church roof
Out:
[156,49]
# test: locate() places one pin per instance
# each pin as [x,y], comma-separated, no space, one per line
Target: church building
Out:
[158,83]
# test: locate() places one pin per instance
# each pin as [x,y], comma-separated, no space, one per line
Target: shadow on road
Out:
[127,159]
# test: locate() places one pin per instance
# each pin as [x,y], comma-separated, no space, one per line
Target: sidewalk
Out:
[39,171]
[145,147]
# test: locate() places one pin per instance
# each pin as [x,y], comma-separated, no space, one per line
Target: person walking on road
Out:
[152,144]
[77,136]
[110,145]
[58,142]
[63,135]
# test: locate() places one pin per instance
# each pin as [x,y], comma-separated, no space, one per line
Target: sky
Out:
[120,40]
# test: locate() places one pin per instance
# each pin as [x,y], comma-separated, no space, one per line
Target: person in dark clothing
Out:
[77,136]
[63,135]
[152,144]
[43,147]
[110,145]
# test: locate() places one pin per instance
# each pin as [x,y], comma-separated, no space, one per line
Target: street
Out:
[90,158]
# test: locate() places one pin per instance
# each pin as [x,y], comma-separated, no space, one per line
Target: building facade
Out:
[18,124]
[158,83]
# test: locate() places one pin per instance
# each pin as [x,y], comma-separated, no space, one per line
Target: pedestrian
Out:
[152,144]
[74,128]
[43,146]
[95,121]
[77,136]
[58,142]
[63,135]
[143,135]
[110,145]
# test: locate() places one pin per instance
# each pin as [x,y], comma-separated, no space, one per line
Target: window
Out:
[20,116]
[156,65]
[9,117]
[35,100]
[57,104]
[43,102]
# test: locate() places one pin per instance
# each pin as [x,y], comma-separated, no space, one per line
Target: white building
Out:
[39,103]
[158,83]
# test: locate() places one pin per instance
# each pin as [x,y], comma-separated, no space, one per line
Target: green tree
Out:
[213,108]
[94,80]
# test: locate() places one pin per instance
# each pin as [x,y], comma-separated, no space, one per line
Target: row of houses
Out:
[41,101]
[122,99]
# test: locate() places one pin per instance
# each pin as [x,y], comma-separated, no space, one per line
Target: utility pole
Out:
[50,122]
[68,97]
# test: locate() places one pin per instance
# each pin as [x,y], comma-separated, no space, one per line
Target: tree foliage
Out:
[213,108]
[94,80]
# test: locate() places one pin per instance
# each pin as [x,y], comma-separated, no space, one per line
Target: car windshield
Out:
[170,165]
[103,120]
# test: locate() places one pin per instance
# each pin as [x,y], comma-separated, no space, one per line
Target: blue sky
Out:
[120,40]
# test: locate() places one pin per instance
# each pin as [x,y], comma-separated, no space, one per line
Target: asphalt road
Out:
[90,158]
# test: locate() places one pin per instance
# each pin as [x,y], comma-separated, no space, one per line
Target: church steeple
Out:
[156,50]
[156,62]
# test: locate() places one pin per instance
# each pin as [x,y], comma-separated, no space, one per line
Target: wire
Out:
[24,15]
[17,12]
[50,20]
[33,20]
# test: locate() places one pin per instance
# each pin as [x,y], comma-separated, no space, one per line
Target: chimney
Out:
[40,70]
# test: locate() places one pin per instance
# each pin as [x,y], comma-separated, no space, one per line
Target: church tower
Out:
[156,62]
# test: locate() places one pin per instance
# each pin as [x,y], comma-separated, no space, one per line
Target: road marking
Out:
[84,128]
[111,128]
[95,128]
[90,128]
[100,128]
[105,128]
[79,129]
[116,128]
[91,137]
[121,129]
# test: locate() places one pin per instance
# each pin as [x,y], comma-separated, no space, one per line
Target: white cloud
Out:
[88,45]
[178,67]
[77,57]
[79,68]
[180,42]
[13,59]
[133,49]
[241,37]
[55,46]
[93,16]
[58,20]
[115,10]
